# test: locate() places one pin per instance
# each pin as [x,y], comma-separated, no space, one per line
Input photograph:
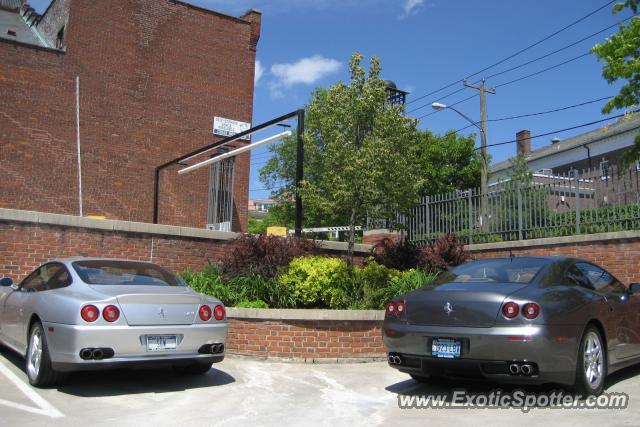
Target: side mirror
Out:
[634,288]
[6,281]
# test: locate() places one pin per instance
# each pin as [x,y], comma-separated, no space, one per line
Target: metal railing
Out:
[549,205]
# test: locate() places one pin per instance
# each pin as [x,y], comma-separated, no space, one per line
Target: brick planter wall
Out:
[306,335]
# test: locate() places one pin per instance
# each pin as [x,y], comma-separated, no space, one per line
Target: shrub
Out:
[264,255]
[255,287]
[397,254]
[402,283]
[252,304]
[446,251]
[208,282]
[318,282]
[371,279]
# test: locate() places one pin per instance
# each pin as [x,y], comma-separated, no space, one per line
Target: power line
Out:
[544,70]
[516,53]
[555,110]
[524,64]
[449,105]
[561,130]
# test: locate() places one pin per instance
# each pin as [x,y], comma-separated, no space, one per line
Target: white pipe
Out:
[78,142]
[235,152]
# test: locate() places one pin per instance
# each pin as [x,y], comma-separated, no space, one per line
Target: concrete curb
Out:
[565,240]
[326,361]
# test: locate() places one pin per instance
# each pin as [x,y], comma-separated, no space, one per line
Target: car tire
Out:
[196,368]
[591,368]
[38,360]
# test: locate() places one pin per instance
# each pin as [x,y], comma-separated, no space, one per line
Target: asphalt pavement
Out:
[247,392]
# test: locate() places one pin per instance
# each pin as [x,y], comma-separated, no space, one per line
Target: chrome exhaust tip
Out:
[394,359]
[86,353]
[97,354]
[526,369]
[514,369]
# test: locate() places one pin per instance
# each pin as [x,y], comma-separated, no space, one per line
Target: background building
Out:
[153,74]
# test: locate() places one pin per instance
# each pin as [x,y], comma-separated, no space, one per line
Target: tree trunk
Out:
[352,237]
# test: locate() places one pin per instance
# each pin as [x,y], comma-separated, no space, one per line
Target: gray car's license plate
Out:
[161,342]
[446,348]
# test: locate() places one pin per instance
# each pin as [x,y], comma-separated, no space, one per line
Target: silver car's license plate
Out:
[446,348]
[161,342]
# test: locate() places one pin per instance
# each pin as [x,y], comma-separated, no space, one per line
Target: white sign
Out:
[228,127]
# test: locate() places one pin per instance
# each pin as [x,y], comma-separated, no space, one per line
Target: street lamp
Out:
[439,106]
[484,171]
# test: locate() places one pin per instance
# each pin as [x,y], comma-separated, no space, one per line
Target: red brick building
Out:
[152,76]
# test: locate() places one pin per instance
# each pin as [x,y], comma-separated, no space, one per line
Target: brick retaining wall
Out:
[28,239]
[306,335]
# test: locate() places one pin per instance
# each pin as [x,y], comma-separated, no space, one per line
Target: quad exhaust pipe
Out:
[394,359]
[522,368]
[216,348]
[96,353]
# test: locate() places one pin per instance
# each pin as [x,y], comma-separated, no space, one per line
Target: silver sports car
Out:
[91,313]
[518,319]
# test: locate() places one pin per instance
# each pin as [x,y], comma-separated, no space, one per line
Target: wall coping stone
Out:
[304,314]
[548,241]
[47,218]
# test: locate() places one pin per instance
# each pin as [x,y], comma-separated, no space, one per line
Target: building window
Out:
[573,173]
[604,168]
[60,39]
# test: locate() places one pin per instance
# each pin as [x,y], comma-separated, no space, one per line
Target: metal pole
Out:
[156,183]
[483,147]
[299,172]
[520,237]
[78,143]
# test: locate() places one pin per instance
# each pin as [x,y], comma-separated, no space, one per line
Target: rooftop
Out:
[621,126]
[18,23]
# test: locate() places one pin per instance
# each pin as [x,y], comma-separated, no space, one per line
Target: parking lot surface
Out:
[244,392]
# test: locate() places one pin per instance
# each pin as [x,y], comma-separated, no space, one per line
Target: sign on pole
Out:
[229,127]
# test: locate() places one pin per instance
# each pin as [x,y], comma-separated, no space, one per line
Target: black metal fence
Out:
[577,202]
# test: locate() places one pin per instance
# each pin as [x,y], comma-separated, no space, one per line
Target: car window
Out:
[60,278]
[574,276]
[600,279]
[509,270]
[110,272]
[34,282]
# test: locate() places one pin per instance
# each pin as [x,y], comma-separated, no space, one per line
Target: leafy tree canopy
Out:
[621,56]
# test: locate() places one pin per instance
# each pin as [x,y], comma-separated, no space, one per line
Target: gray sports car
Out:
[518,319]
[90,313]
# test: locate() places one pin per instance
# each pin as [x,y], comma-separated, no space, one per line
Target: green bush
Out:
[208,282]
[402,283]
[252,304]
[318,282]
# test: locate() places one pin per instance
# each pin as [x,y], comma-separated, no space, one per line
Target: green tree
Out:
[361,154]
[621,56]
[449,162]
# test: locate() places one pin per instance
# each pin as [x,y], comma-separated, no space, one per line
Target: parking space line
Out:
[43,407]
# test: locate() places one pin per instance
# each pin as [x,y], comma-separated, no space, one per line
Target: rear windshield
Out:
[516,270]
[105,272]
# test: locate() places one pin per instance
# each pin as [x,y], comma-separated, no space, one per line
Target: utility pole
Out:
[483,147]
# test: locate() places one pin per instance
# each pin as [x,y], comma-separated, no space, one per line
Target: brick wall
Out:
[306,339]
[28,239]
[617,252]
[153,74]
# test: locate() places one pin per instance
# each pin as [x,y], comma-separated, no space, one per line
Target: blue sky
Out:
[424,45]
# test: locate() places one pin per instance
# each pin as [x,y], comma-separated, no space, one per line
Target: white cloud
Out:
[259,71]
[410,7]
[305,71]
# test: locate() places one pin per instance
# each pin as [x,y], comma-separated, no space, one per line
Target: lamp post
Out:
[483,150]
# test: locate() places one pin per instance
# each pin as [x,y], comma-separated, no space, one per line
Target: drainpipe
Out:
[78,143]
[588,154]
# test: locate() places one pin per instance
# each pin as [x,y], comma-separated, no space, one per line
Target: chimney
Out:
[523,141]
